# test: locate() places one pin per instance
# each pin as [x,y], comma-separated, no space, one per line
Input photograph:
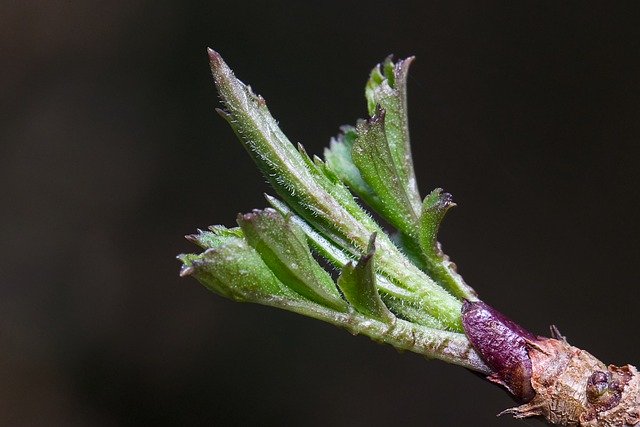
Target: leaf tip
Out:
[186,271]
[214,57]
[378,115]
[371,247]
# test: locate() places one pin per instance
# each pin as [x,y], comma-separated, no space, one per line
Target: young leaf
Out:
[410,311]
[434,208]
[327,204]
[372,155]
[358,284]
[438,265]
[322,201]
[410,248]
[401,302]
[217,235]
[284,249]
[327,249]
[338,158]
[387,87]
[234,270]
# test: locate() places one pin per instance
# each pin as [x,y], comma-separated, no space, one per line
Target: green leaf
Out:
[327,249]
[234,270]
[434,208]
[268,260]
[387,88]
[438,265]
[411,311]
[324,202]
[217,235]
[401,302]
[358,284]
[283,247]
[338,159]
[372,155]
[410,248]
[319,197]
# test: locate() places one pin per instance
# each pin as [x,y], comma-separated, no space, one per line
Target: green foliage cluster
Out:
[399,288]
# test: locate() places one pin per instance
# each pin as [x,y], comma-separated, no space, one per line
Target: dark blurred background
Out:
[528,112]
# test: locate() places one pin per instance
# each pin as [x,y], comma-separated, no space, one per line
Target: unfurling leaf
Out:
[315,193]
[434,208]
[214,237]
[283,247]
[338,158]
[235,270]
[358,284]
[387,87]
[438,265]
[372,155]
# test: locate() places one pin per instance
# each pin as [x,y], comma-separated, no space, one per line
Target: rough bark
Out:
[561,383]
[573,388]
